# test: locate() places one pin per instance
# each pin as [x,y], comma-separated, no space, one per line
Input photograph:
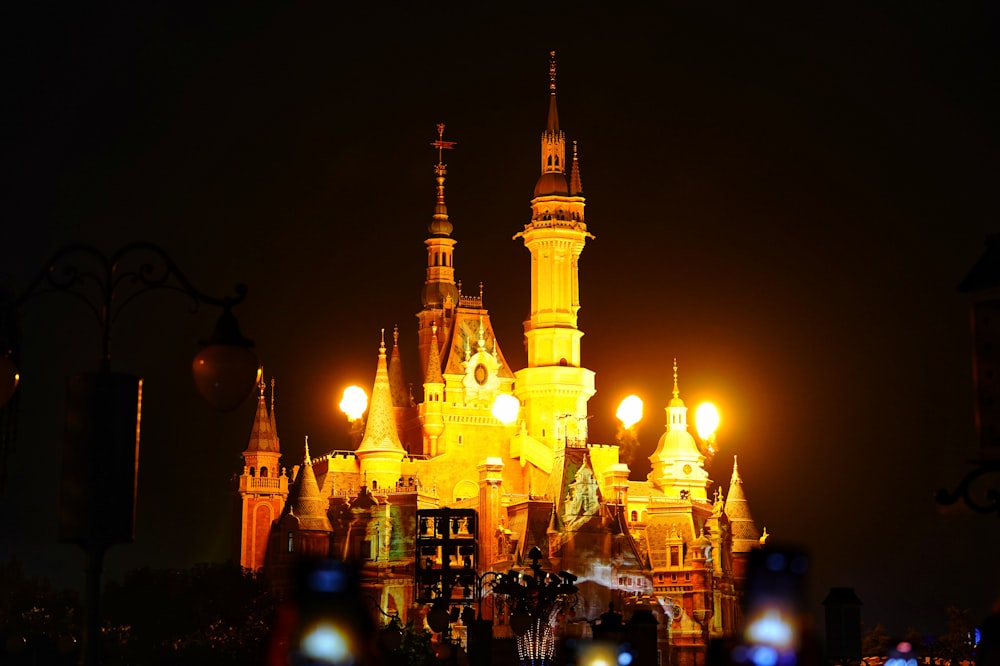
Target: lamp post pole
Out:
[101,445]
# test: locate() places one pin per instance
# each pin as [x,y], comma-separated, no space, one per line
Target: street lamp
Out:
[353,405]
[534,601]
[101,447]
[706,421]
[629,413]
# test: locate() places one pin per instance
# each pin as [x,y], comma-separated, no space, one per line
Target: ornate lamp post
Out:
[101,448]
[534,601]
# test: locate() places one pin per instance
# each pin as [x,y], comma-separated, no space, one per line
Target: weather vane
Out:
[441,144]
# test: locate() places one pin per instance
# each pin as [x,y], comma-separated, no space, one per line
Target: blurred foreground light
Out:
[354,403]
[327,643]
[706,419]
[773,629]
[630,411]
[505,408]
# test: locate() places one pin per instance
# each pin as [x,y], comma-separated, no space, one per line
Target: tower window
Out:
[291,542]
[263,471]
[252,471]
[635,516]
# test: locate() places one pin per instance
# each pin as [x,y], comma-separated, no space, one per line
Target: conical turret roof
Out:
[397,384]
[380,430]
[264,435]
[744,531]
[309,506]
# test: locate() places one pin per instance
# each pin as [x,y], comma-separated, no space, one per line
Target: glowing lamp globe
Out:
[354,403]
[226,370]
[505,408]
[706,420]
[630,411]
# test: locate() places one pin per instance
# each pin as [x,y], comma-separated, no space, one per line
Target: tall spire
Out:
[575,184]
[397,384]
[439,284]
[553,124]
[440,224]
[553,178]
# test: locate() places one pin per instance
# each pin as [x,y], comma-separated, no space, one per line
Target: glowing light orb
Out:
[706,420]
[505,408]
[630,411]
[772,629]
[354,403]
[326,643]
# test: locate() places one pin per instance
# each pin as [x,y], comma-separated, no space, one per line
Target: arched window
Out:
[263,471]
[635,516]
[252,471]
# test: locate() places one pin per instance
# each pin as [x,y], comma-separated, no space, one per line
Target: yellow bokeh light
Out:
[706,420]
[354,403]
[505,408]
[630,411]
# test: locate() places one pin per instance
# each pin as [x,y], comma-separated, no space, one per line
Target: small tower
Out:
[431,413]
[554,388]
[678,466]
[263,487]
[380,452]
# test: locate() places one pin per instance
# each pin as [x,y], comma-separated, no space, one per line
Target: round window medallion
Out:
[481,374]
[687,469]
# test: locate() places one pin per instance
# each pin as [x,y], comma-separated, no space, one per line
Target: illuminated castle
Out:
[664,543]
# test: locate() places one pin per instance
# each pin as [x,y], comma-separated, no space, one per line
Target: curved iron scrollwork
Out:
[970,490]
[107,284]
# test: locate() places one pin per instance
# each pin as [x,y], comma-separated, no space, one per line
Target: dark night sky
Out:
[785,201]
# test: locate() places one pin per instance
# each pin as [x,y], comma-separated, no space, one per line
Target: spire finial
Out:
[677,392]
[272,392]
[381,344]
[308,459]
[552,72]
[440,224]
[395,335]
[262,384]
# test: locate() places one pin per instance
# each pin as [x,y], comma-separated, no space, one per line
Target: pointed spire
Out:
[309,506]
[397,384]
[380,430]
[434,375]
[575,184]
[676,400]
[264,435]
[440,226]
[745,535]
[553,124]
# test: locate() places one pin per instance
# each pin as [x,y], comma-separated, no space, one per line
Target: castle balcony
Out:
[263,484]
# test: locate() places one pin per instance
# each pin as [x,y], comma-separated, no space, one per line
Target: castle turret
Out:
[555,387]
[263,488]
[380,452]
[430,411]
[678,466]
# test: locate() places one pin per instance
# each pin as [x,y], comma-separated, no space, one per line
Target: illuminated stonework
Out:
[537,481]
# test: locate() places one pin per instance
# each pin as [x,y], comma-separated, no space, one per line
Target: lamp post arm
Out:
[110,285]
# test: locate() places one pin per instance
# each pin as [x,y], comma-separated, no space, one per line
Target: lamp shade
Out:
[225,375]
[226,370]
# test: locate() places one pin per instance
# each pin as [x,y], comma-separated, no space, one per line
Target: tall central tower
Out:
[554,388]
